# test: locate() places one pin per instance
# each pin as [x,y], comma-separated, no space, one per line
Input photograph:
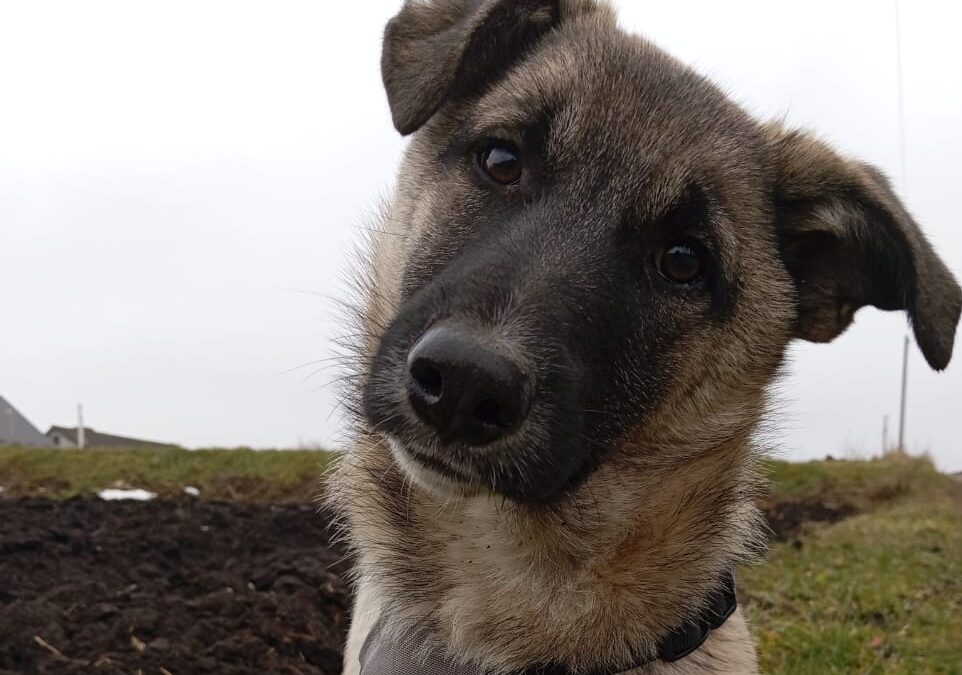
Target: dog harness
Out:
[382,655]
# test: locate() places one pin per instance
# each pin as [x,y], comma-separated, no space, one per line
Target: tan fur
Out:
[633,550]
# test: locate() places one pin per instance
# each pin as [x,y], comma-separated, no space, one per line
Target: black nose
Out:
[468,391]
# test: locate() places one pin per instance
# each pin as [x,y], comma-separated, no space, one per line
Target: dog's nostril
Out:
[429,381]
[489,412]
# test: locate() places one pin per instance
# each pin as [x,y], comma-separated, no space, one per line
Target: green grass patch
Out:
[253,475]
[861,483]
[880,592]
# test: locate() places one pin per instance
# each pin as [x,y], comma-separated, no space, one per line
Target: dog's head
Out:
[594,251]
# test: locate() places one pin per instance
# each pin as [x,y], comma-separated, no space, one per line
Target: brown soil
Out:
[168,587]
[788,519]
[184,587]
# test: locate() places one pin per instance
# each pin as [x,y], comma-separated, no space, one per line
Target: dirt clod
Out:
[787,519]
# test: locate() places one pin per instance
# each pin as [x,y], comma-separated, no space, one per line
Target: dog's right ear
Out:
[439,50]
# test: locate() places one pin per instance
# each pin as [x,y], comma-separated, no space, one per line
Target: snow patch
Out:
[192,491]
[137,495]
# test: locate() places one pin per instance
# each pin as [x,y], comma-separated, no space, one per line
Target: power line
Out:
[901,95]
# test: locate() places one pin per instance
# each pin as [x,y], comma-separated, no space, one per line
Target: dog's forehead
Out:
[606,91]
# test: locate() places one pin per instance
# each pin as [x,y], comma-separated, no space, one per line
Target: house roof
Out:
[96,439]
[15,429]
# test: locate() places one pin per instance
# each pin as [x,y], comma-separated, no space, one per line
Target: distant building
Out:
[66,437]
[15,429]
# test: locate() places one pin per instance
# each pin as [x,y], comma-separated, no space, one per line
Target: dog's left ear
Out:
[436,50]
[848,241]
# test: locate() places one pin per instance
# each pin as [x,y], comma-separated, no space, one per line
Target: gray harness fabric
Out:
[381,655]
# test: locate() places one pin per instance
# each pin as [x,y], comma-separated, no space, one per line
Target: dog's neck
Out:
[628,556]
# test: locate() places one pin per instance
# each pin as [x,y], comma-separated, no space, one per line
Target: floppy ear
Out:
[438,50]
[847,241]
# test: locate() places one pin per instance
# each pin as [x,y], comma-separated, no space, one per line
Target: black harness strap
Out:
[382,656]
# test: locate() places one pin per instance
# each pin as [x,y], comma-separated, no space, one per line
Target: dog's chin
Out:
[433,476]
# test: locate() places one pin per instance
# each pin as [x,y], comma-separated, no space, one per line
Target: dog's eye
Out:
[501,162]
[682,263]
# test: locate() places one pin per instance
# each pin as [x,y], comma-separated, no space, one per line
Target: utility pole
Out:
[905,377]
[12,426]
[81,433]
[885,434]
[905,186]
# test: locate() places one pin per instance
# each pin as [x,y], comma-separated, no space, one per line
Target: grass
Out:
[879,592]
[261,475]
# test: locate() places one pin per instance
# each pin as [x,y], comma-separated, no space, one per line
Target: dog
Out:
[573,309]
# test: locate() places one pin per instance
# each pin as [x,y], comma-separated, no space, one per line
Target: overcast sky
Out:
[181,182]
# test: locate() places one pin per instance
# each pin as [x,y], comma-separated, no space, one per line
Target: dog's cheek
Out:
[718,386]
[670,360]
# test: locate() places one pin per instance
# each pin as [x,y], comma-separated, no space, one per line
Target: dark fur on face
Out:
[625,153]
[629,483]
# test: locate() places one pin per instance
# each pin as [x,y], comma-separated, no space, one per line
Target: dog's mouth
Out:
[442,478]
[525,468]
